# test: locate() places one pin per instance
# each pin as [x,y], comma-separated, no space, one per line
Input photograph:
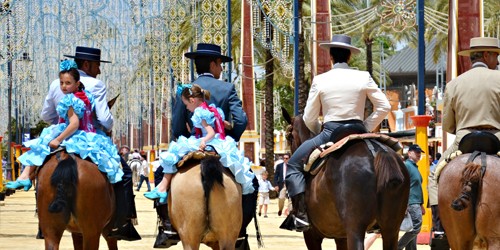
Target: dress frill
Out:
[231,156]
[96,146]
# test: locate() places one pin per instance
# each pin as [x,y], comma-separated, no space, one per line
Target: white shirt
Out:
[95,86]
[340,95]
[144,168]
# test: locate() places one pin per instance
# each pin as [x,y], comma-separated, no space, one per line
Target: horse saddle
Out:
[481,141]
[340,137]
[196,155]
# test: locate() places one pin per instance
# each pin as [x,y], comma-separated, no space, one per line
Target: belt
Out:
[483,127]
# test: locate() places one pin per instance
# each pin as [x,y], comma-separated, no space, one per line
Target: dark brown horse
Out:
[474,198]
[354,192]
[205,205]
[74,195]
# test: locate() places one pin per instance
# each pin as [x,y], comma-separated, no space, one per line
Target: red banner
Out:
[468,26]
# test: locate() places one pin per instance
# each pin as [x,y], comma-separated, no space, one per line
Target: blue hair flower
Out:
[181,87]
[67,65]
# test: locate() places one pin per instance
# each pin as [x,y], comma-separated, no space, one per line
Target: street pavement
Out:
[18,228]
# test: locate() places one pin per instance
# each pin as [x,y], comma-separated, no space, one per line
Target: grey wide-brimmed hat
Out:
[482,44]
[208,49]
[340,41]
[87,53]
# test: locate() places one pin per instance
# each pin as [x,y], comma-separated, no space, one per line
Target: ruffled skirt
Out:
[231,157]
[96,146]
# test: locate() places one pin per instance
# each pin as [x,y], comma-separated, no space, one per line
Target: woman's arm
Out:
[73,125]
[209,136]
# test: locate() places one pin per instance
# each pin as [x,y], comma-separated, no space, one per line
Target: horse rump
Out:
[64,179]
[471,176]
[211,172]
[388,171]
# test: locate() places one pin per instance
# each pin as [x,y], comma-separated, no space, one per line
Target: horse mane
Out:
[65,179]
[211,172]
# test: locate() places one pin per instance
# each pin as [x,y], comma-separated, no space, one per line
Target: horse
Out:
[353,192]
[204,204]
[74,195]
[135,165]
[468,195]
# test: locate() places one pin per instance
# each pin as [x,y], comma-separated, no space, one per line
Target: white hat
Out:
[340,41]
[482,44]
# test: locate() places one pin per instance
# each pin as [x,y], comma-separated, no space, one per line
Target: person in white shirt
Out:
[264,187]
[339,95]
[144,173]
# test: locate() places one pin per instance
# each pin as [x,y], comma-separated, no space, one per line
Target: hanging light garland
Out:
[397,14]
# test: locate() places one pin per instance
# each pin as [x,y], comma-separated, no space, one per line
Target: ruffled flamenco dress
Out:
[87,141]
[230,156]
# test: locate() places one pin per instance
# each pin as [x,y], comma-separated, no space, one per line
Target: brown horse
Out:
[353,192]
[205,205]
[468,201]
[74,195]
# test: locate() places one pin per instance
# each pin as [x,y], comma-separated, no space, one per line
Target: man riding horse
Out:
[340,95]
[208,60]
[463,112]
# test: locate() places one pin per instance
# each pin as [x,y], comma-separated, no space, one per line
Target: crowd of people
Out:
[209,113]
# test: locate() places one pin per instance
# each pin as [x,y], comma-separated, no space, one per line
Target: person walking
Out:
[264,187]
[415,200]
[144,173]
[279,182]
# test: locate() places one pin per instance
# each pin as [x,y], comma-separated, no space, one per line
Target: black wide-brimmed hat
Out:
[208,49]
[87,53]
[340,41]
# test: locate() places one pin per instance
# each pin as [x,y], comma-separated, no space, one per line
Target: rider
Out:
[340,95]
[76,131]
[88,61]
[209,125]
[208,61]
[463,113]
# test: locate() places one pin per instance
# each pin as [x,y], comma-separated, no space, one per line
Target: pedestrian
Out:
[339,95]
[144,173]
[279,182]
[264,187]
[415,200]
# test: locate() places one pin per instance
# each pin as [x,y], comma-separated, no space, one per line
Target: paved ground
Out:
[18,227]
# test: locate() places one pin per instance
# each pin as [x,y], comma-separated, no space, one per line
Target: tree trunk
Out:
[269,114]
[303,86]
[369,68]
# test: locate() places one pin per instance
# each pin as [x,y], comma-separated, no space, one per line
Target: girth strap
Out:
[369,143]
[473,156]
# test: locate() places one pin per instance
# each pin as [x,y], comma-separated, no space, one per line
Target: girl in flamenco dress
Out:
[209,130]
[75,131]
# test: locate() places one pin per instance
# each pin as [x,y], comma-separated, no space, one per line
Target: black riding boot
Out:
[123,228]
[297,220]
[167,236]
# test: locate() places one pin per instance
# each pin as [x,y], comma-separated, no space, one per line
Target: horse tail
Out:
[387,170]
[471,176]
[64,179]
[211,172]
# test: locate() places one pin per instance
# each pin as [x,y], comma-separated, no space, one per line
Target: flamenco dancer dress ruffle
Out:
[86,141]
[231,156]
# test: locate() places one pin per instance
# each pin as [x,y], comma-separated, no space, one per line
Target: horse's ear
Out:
[112,101]
[286,115]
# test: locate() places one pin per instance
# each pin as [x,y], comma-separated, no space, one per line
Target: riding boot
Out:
[167,236]
[123,228]
[297,220]
[242,243]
